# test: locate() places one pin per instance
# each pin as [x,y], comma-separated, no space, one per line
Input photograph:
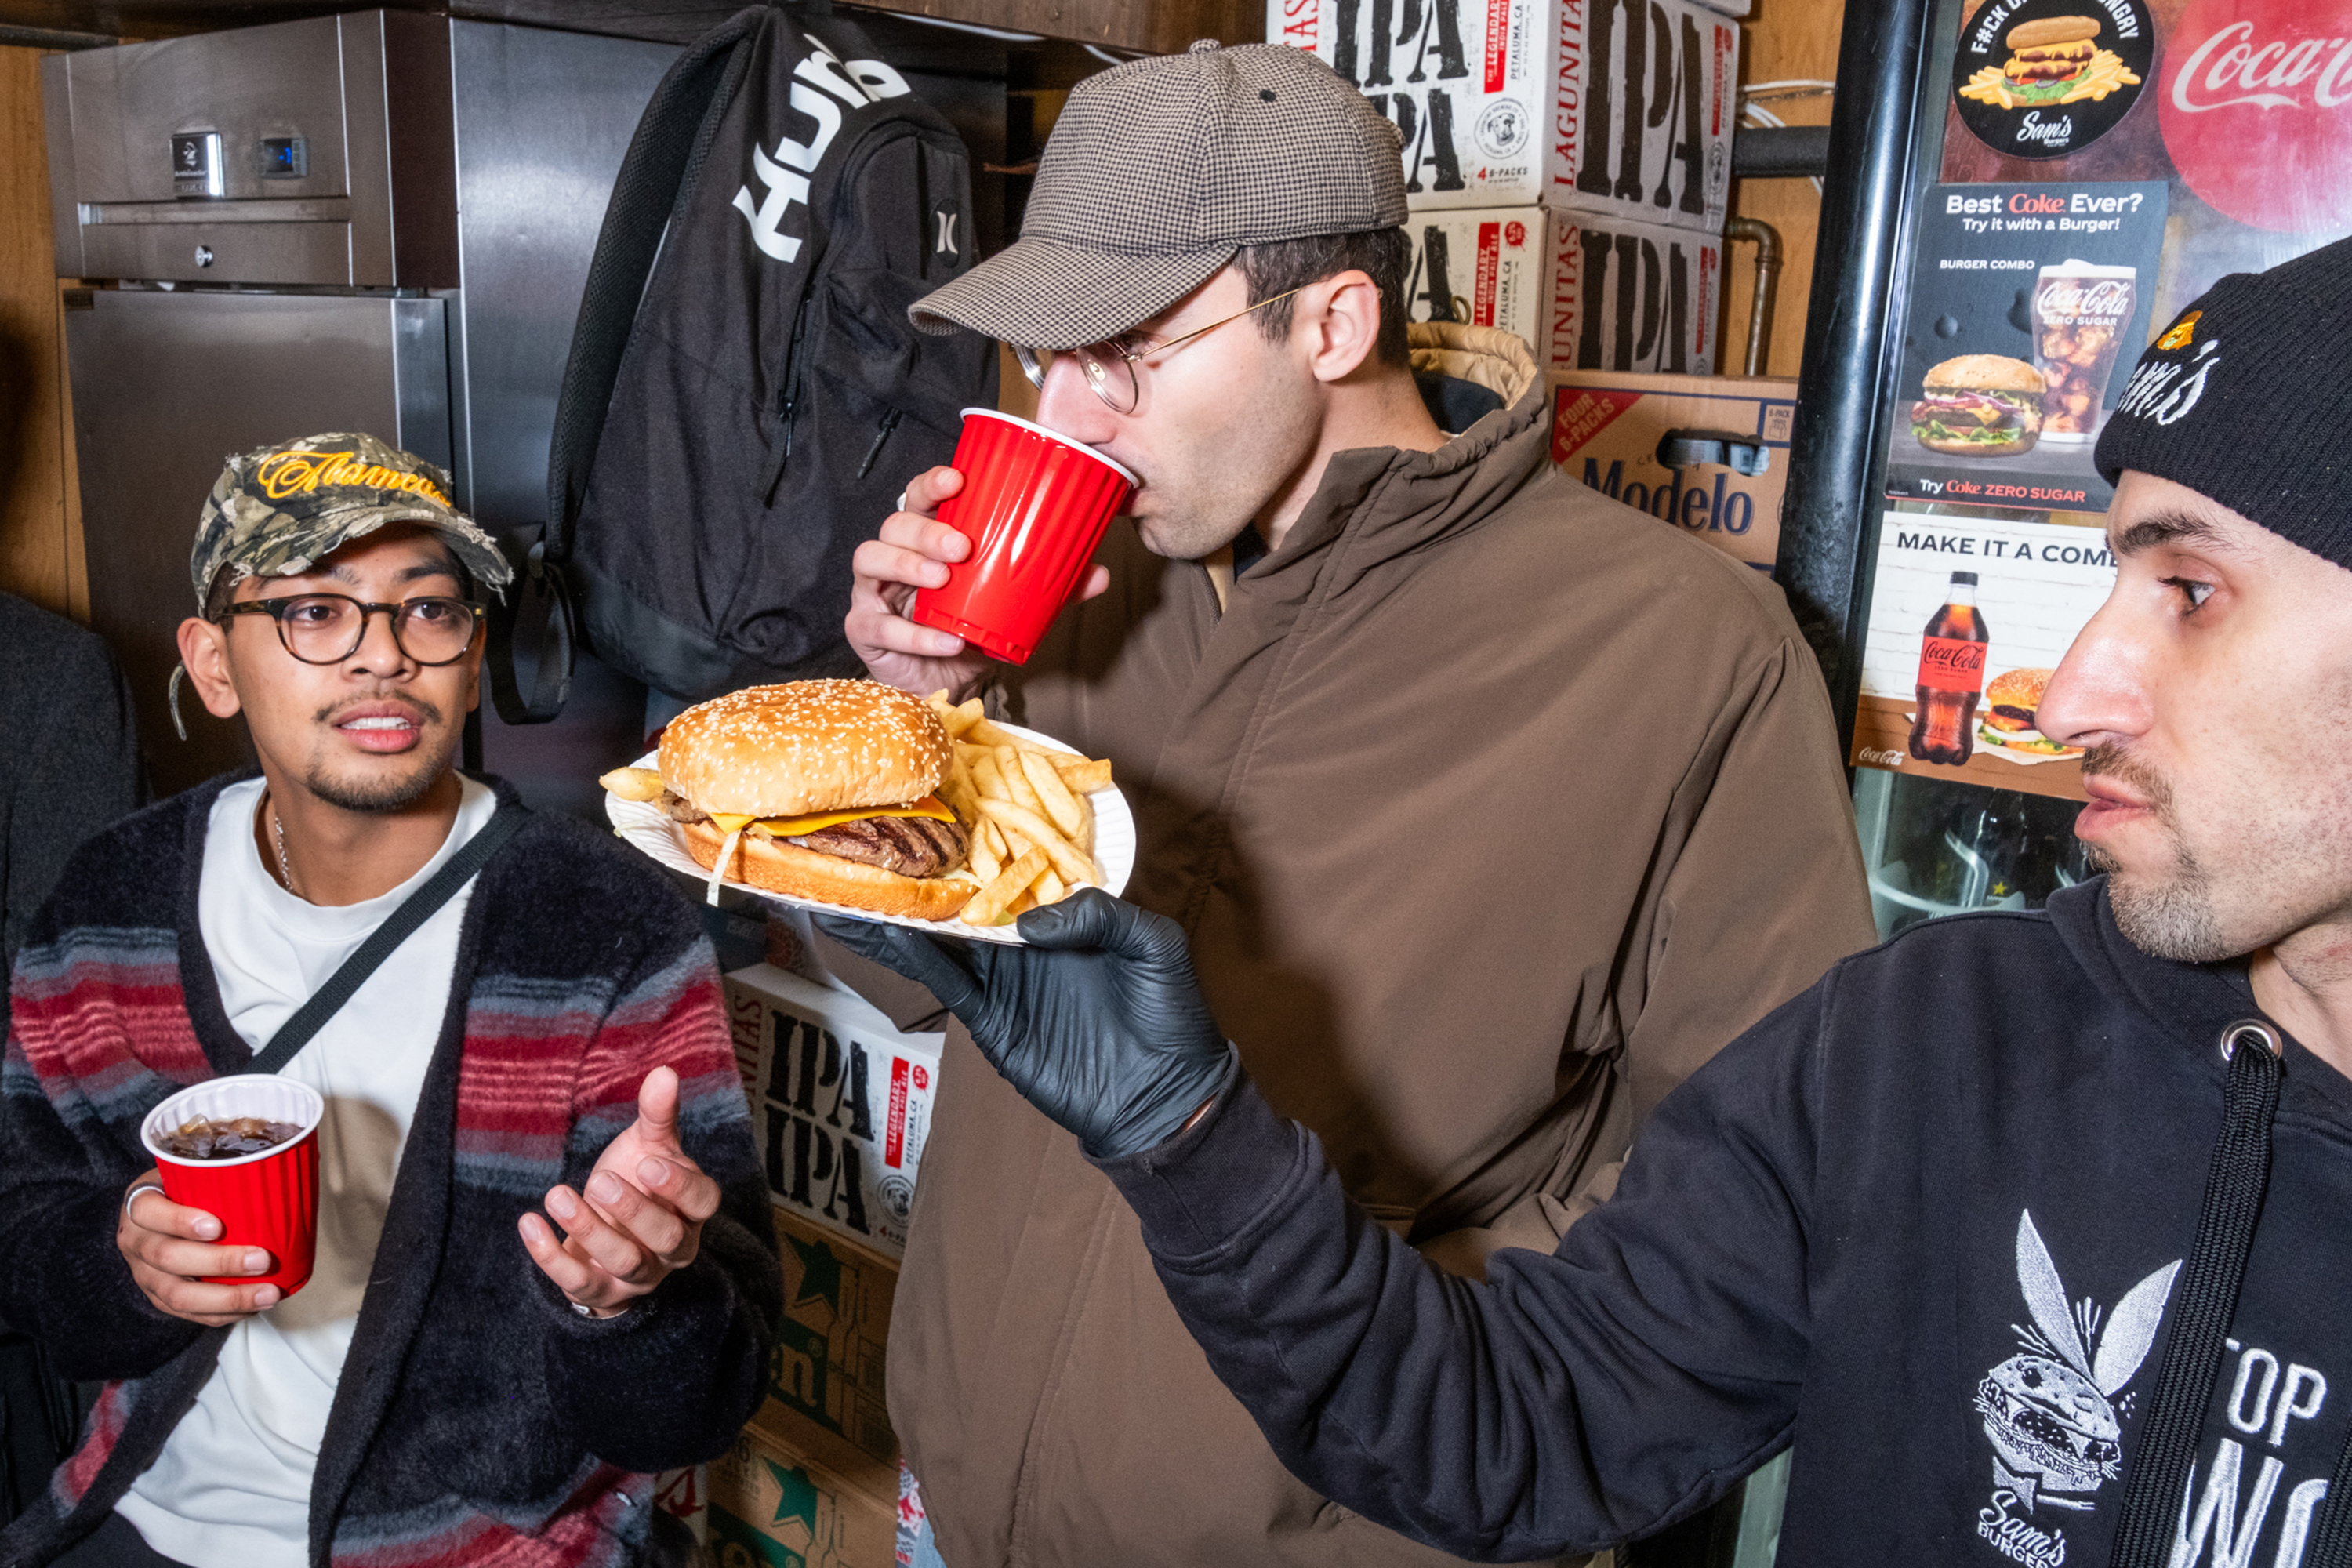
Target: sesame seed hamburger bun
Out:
[2053,30]
[1985,372]
[809,745]
[2014,697]
[854,762]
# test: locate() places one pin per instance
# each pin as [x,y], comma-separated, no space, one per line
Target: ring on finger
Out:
[132,1195]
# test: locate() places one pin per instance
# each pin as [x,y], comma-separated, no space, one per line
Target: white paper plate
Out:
[648,828]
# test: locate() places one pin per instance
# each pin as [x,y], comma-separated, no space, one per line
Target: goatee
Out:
[2168,913]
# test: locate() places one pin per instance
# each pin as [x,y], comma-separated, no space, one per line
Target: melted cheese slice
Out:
[796,826]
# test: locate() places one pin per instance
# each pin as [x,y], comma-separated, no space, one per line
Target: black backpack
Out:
[729,430]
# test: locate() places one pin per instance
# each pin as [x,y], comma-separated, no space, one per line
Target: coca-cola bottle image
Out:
[1952,677]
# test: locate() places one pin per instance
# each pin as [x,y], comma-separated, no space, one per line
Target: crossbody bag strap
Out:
[368,957]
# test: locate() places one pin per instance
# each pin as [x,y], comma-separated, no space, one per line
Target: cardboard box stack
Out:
[841,1103]
[1646,440]
[1601,129]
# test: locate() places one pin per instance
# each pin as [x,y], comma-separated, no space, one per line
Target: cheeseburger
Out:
[2012,703]
[1980,406]
[821,789]
[2049,56]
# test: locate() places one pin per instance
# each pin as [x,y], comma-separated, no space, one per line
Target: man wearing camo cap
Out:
[458,1380]
[1375,676]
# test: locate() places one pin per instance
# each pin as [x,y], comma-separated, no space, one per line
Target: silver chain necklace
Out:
[278,838]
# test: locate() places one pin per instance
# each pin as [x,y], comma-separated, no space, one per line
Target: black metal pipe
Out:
[1779,151]
[1829,524]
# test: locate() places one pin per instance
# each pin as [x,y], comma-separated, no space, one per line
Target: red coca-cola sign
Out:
[2255,99]
[1951,664]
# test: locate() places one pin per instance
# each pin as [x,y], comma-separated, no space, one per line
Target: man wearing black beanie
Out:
[2027,1232]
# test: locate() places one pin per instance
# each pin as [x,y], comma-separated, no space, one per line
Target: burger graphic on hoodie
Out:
[2050,1412]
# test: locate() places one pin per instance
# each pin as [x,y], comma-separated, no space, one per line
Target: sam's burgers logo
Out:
[2045,78]
[2255,102]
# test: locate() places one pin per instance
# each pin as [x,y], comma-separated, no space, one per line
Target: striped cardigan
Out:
[478,1419]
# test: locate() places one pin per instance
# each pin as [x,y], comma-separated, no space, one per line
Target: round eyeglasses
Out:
[1109,365]
[328,628]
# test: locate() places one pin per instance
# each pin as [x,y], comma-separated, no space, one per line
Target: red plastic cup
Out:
[1035,506]
[269,1199]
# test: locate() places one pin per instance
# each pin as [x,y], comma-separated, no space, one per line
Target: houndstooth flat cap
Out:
[1158,172]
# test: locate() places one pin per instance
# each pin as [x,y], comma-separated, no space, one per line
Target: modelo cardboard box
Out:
[841,1102]
[1707,454]
[1586,293]
[825,1394]
[774,1506]
[1619,107]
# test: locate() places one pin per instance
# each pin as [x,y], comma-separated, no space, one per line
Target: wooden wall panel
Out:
[1785,39]
[40,536]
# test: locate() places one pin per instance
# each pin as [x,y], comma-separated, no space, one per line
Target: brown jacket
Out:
[1493,808]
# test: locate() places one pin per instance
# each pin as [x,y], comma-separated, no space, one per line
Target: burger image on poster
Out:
[2012,717]
[2044,79]
[1978,406]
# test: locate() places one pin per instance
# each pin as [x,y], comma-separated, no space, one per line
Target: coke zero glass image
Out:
[2080,312]
[1952,677]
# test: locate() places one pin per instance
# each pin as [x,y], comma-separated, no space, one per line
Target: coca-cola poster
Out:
[2029,303]
[2245,114]
[1968,618]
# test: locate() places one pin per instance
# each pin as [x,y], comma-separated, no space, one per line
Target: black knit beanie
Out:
[2244,400]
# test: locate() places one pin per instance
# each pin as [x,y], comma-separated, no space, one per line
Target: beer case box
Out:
[841,1102]
[1585,292]
[1623,108]
[1617,433]
[773,1505]
[824,1393]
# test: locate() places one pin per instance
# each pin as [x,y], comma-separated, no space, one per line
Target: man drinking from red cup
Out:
[1374,675]
[496,1010]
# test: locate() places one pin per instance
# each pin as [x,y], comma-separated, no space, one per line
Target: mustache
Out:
[2111,761]
[424,712]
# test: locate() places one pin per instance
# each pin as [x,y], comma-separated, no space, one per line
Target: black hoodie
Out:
[1921,1223]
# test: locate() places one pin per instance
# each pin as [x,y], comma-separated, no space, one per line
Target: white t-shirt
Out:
[232,1486]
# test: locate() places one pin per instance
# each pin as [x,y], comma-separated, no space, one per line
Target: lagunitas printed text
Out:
[1620,107]
[1586,293]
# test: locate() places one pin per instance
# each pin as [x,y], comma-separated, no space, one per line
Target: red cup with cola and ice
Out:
[267,1199]
[1035,505]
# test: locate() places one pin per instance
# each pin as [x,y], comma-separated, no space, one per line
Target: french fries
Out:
[1072,866]
[638,785]
[1033,828]
[1053,795]
[956,718]
[1084,775]
[1016,780]
[994,901]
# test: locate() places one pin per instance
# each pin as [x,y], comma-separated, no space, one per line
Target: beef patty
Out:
[911,845]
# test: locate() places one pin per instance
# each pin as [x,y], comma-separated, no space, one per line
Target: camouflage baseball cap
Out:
[280,511]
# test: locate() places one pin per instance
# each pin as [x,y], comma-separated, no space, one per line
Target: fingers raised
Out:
[928,489]
[680,1183]
[658,1107]
[590,1236]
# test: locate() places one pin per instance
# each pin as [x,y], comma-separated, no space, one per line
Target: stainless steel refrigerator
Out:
[378,221]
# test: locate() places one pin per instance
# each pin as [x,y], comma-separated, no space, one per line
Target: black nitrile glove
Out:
[1097,1022]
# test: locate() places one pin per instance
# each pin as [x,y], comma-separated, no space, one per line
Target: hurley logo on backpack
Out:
[745,396]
